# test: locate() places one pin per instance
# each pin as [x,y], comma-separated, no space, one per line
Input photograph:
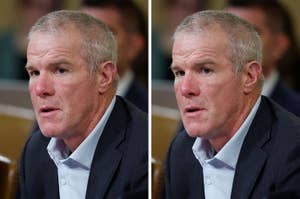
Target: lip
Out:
[192,110]
[47,111]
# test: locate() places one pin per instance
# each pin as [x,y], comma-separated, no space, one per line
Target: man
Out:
[273,23]
[92,143]
[128,24]
[237,143]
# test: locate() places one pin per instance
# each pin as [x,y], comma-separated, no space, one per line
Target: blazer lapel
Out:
[51,189]
[48,175]
[108,153]
[252,156]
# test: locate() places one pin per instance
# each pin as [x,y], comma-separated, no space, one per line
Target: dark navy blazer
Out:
[268,163]
[119,168]
[138,95]
[286,97]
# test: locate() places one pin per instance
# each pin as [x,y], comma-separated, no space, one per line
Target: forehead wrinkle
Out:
[197,57]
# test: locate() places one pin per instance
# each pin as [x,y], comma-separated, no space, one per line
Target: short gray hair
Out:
[244,43]
[98,42]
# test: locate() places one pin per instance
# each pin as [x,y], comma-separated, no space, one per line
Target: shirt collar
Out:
[229,154]
[83,155]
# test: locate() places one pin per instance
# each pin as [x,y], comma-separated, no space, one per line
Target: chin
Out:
[196,130]
[48,133]
[49,130]
[193,134]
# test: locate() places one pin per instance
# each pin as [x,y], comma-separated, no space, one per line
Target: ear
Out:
[106,75]
[251,76]
[137,43]
[282,44]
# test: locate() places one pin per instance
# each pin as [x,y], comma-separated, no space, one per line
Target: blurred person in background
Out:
[127,22]
[279,47]
[173,11]
[92,143]
[13,42]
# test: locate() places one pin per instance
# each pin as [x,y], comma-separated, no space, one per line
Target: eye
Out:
[206,70]
[33,73]
[61,70]
[179,73]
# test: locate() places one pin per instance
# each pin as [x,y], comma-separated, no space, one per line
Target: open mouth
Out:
[191,110]
[46,110]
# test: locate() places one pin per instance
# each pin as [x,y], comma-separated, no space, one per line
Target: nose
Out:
[189,85]
[44,86]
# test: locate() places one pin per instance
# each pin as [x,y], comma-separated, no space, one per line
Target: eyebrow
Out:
[206,61]
[195,64]
[54,63]
[59,61]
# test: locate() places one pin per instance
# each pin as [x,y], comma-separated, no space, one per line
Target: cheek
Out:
[80,95]
[227,96]
[33,96]
[218,95]
[177,92]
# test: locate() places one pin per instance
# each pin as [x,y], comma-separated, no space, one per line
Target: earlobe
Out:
[106,75]
[253,73]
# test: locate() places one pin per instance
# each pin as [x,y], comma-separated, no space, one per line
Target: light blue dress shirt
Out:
[219,169]
[74,170]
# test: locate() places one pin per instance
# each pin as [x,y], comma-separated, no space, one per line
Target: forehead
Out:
[187,43]
[43,41]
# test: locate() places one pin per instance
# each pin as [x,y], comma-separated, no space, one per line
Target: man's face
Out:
[113,19]
[208,92]
[257,17]
[63,92]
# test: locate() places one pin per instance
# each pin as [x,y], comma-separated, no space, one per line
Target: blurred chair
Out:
[164,125]
[157,179]
[8,171]
[15,124]
[165,120]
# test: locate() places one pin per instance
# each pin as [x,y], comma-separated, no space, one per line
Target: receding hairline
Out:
[243,43]
[58,21]
[96,37]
